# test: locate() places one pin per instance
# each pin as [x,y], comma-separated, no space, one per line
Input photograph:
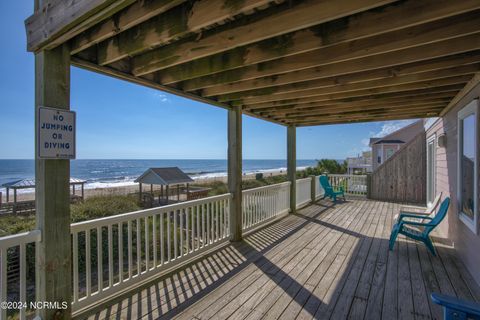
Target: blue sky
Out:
[119,120]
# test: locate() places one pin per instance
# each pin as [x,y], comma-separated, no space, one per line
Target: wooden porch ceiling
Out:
[304,62]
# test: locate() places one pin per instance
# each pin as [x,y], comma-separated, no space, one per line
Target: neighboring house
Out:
[453,169]
[360,164]
[385,147]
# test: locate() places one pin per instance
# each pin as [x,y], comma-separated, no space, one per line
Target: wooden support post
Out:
[73,189]
[369,185]
[178,192]
[52,191]
[140,192]
[83,191]
[151,189]
[166,191]
[292,166]
[313,191]
[235,172]
[188,191]
[8,195]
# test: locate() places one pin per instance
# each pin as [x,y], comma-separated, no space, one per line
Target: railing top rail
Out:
[304,179]
[347,175]
[80,226]
[271,186]
[20,238]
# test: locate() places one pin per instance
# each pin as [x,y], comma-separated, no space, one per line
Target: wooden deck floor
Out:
[326,262]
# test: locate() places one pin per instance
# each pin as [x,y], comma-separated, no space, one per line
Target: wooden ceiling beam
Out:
[173,24]
[58,21]
[459,80]
[403,94]
[131,16]
[352,121]
[471,85]
[289,73]
[346,120]
[382,73]
[290,17]
[361,114]
[409,100]
[316,88]
[323,110]
[387,34]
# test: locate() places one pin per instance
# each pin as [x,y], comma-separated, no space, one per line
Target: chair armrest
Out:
[413,223]
[409,215]
[413,209]
[452,303]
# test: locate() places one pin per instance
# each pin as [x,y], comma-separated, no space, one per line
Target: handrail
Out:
[20,238]
[74,227]
[247,191]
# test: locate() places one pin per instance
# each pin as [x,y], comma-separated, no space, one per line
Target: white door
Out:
[430,169]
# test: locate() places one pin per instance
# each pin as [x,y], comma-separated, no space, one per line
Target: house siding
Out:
[466,242]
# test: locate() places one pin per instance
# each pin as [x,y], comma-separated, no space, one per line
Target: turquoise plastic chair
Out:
[454,308]
[408,229]
[329,190]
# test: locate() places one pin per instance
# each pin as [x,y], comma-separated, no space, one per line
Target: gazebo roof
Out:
[164,176]
[295,63]
[30,183]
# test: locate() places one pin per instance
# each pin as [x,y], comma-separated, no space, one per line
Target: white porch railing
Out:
[318,188]
[304,194]
[113,253]
[13,265]
[352,184]
[265,203]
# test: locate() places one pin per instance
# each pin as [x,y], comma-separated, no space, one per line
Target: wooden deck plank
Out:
[277,310]
[375,298]
[279,277]
[327,262]
[347,255]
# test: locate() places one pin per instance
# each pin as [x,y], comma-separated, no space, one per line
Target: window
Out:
[430,169]
[467,165]
[389,153]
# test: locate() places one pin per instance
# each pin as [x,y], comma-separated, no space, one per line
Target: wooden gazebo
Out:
[294,63]
[164,177]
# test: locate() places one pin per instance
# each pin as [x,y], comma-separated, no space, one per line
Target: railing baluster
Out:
[187,231]
[180,251]
[162,239]
[130,249]
[120,252]
[23,279]
[169,242]
[175,244]
[99,259]
[110,256]
[3,278]
[154,235]
[75,266]
[139,247]
[147,245]
[88,262]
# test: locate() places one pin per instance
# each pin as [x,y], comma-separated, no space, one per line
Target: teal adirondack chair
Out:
[329,190]
[412,229]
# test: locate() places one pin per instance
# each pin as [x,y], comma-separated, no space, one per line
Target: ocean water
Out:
[111,173]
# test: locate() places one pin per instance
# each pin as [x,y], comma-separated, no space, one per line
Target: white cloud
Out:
[387,128]
[160,96]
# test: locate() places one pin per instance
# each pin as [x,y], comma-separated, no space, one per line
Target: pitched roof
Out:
[164,176]
[389,141]
[30,183]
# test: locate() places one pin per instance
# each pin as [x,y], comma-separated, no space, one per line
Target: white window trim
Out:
[432,139]
[469,109]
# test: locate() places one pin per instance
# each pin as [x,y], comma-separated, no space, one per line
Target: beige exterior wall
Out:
[466,243]
[405,134]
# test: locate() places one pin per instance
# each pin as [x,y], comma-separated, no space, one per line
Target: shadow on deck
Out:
[327,261]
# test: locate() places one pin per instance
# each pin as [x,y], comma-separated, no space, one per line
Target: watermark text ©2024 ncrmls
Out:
[35,305]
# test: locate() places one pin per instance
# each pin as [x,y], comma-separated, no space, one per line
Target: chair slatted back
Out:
[441,213]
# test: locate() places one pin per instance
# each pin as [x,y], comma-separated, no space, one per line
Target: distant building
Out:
[385,147]
[360,164]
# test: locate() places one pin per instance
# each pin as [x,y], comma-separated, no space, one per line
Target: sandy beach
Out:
[128,189]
